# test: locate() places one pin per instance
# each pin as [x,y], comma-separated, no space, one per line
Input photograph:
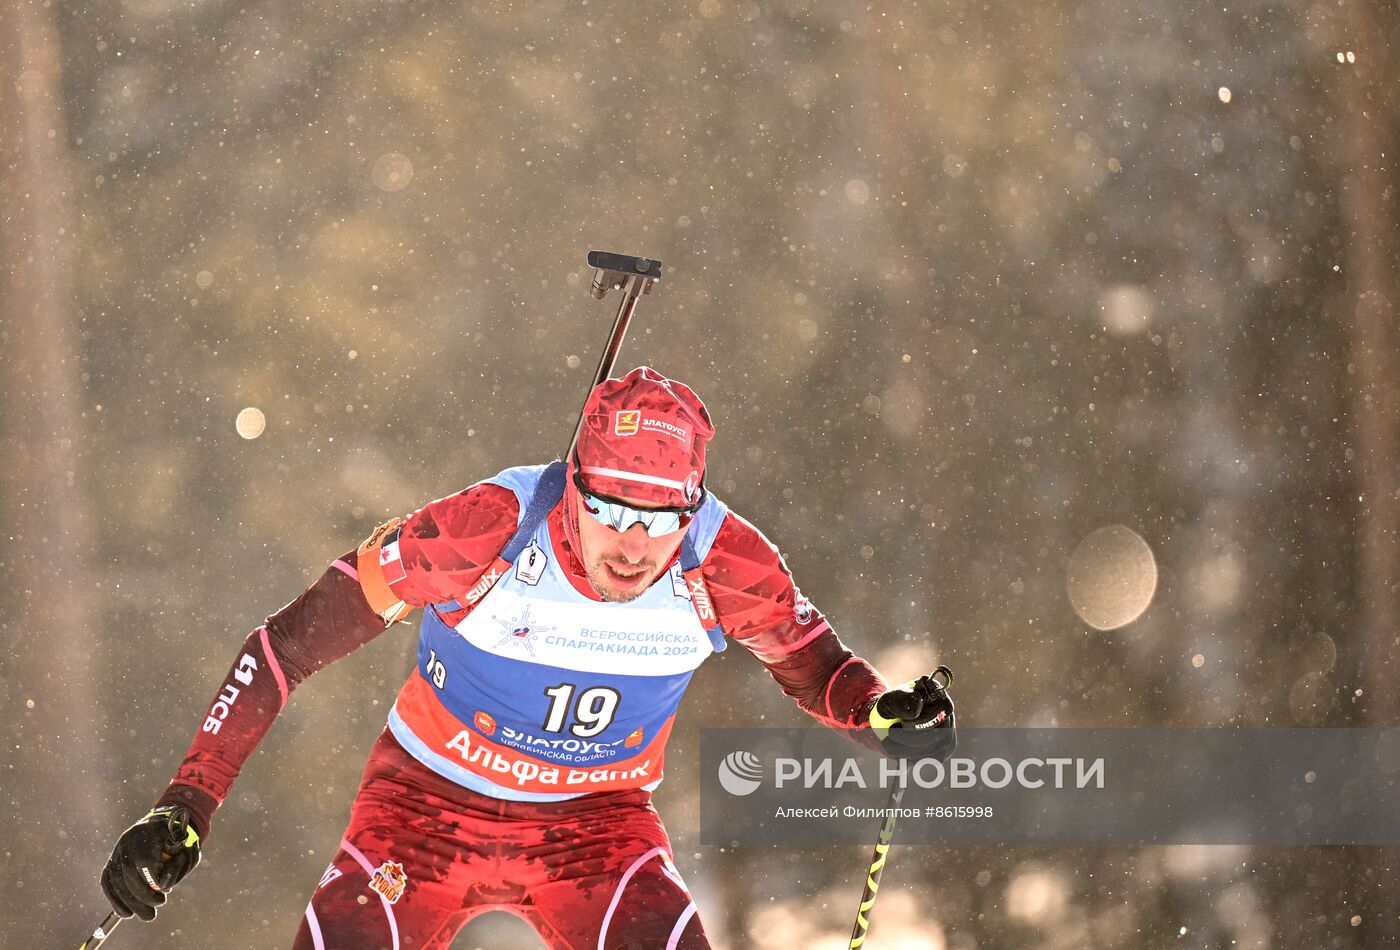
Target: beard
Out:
[606,587]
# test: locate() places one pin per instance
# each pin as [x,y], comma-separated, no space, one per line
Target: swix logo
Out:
[223,703]
[700,597]
[484,723]
[488,581]
[692,486]
[625,422]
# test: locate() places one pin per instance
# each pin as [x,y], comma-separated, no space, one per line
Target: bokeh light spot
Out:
[250,423]
[1126,310]
[392,172]
[1037,896]
[1111,577]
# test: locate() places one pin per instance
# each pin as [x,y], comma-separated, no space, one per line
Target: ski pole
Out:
[882,844]
[634,276]
[877,865]
[103,931]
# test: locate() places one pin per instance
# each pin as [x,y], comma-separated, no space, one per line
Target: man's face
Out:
[622,564]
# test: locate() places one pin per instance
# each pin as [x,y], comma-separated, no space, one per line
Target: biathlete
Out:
[565,608]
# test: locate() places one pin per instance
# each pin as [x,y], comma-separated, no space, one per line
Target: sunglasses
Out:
[621,516]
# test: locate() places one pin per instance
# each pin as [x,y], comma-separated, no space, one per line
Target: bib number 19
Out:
[593,713]
[436,672]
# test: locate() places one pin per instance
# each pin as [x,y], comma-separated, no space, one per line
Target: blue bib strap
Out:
[548,490]
[695,547]
[545,483]
[690,558]
[704,528]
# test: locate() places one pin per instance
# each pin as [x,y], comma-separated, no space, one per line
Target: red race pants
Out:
[423,856]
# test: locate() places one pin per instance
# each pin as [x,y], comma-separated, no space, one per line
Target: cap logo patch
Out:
[625,421]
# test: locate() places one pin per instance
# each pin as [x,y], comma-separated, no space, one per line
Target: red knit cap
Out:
[644,438]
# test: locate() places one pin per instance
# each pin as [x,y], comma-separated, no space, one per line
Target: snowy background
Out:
[962,283]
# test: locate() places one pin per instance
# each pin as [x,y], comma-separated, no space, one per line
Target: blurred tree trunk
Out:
[1372,133]
[1368,203]
[46,642]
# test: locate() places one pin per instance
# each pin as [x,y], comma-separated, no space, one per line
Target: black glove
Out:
[915,721]
[150,858]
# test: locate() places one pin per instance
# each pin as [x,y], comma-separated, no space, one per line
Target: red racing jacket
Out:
[443,551]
